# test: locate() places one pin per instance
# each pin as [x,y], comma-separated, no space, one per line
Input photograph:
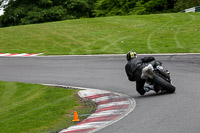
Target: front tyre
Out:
[164,84]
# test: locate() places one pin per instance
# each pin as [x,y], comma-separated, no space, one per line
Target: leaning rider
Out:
[135,68]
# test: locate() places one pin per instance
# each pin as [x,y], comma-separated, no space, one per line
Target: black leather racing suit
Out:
[134,70]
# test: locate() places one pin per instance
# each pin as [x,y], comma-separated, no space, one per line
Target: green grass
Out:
[32,108]
[158,33]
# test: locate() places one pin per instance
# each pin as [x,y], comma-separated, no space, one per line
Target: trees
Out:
[121,7]
[113,7]
[184,4]
[156,6]
[18,12]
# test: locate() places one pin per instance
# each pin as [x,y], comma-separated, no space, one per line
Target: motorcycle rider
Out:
[138,69]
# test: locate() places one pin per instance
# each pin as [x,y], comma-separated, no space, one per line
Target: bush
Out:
[113,7]
[38,15]
[184,4]
[156,6]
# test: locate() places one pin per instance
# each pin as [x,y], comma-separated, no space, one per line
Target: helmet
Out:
[130,55]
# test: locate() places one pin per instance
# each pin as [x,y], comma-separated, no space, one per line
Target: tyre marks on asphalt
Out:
[178,44]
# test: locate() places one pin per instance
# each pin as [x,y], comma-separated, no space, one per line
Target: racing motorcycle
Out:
[158,77]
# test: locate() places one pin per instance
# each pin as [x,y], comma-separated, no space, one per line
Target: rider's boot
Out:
[147,88]
[157,89]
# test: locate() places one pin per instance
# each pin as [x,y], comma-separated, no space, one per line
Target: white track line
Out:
[117,55]
[19,55]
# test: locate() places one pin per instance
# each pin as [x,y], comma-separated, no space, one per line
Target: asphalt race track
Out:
[166,113]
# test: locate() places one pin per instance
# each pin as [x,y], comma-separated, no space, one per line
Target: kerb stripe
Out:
[79,130]
[125,106]
[99,119]
[98,96]
[111,100]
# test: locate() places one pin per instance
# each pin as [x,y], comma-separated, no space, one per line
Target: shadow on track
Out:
[150,95]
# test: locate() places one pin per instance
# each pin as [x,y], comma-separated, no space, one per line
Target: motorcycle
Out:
[159,78]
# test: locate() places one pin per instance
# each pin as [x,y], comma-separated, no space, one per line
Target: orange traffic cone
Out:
[75,116]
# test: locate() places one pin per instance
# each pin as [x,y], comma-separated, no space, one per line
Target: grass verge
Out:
[33,108]
[157,33]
